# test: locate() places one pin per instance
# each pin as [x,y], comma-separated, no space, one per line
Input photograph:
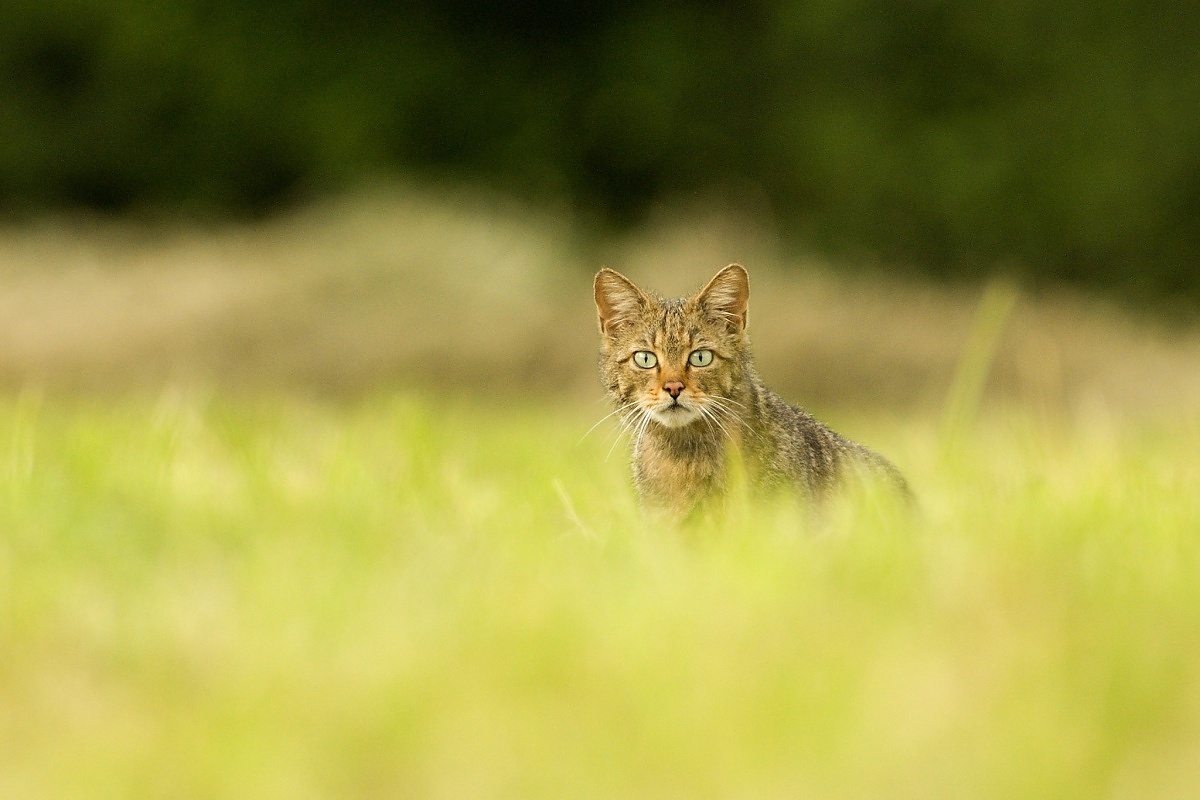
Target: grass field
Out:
[305,509]
[403,597]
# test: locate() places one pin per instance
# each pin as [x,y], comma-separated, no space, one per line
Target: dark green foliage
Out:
[1062,139]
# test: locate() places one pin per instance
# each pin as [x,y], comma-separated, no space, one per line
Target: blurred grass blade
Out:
[970,378]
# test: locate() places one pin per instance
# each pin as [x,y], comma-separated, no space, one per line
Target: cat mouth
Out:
[674,415]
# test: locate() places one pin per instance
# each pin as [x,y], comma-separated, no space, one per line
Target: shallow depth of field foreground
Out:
[306,509]
[408,597]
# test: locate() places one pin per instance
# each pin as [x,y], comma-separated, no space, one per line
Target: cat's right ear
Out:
[618,301]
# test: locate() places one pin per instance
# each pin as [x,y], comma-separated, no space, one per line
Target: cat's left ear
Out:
[727,296]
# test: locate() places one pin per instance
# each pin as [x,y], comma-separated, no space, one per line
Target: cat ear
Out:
[727,296]
[617,300]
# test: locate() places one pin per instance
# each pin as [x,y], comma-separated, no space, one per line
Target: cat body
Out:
[684,382]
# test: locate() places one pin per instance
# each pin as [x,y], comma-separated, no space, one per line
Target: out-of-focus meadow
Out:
[304,508]
[300,493]
[419,597]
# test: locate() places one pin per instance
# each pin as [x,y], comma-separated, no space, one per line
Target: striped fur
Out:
[683,446]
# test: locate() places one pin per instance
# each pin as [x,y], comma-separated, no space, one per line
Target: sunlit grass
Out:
[415,597]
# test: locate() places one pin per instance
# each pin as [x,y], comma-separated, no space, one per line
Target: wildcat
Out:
[681,374]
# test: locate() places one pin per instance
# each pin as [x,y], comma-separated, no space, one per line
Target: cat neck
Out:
[701,438]
[678,468]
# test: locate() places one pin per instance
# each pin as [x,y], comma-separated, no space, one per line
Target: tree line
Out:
[1059,139]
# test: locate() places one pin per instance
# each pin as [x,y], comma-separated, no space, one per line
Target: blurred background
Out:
[343,195]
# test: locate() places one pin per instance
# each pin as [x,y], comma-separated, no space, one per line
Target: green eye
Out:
[645,359]
[700,358]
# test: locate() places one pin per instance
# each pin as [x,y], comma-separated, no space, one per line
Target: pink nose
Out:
[673,388]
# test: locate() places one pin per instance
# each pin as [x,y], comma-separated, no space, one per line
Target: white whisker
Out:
[712,417]
[719,405]
[634,421]
[606,416]
[637,443]
[726,400]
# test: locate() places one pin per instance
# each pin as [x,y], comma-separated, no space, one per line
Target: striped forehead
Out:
[675,333]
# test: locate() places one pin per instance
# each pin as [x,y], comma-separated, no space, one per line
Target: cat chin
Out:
[675,416]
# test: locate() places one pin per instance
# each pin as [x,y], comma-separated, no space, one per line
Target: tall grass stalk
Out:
[970,377]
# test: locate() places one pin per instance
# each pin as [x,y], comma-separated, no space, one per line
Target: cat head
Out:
[674,362]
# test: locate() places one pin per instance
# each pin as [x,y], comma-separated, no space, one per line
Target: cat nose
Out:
[673,388]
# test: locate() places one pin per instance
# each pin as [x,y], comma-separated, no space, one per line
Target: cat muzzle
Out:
[674,414]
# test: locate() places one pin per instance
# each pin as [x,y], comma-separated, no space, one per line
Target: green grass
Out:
[203,596]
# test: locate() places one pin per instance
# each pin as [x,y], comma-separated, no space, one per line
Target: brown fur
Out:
[682,448]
